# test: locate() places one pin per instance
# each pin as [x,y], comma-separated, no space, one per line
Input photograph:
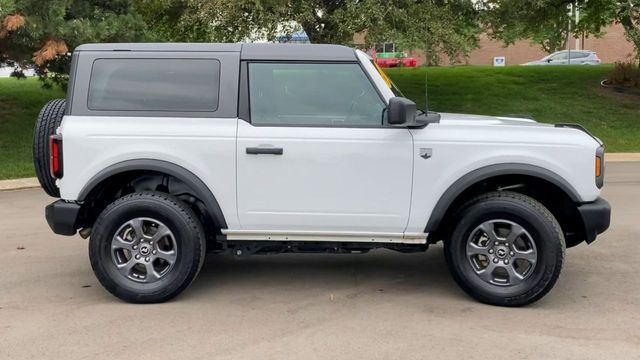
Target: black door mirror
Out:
[401,111]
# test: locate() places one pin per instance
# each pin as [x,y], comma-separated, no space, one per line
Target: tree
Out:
[235,21]
[449,26]
[546,21]
[627,13]
[31,33]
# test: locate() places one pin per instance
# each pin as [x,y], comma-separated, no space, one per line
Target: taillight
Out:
[55,156]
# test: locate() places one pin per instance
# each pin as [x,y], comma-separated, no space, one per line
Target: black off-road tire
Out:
[48,121]
[170,211]
[530,215]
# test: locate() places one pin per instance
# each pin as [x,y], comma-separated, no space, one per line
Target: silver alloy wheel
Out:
[144,250]
[501,252]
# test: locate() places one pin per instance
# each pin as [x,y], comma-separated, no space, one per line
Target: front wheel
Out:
[507,249]
[147,247]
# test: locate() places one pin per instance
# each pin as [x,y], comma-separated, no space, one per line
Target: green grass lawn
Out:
[550,94]
[20,103]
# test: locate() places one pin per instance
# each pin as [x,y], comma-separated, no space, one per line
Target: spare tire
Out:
[48,121]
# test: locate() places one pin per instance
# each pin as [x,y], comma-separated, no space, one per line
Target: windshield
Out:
[396,91]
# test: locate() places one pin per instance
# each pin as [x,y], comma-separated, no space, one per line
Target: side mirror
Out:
[401,111]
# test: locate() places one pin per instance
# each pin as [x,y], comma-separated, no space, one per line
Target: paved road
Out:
[381,305]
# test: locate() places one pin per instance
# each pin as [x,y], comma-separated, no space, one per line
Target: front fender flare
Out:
[460,185]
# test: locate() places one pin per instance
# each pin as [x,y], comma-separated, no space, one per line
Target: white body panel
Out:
[205,147]
[341,184]
[463,143]
[336,179]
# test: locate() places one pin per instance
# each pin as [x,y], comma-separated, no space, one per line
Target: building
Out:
[611,47]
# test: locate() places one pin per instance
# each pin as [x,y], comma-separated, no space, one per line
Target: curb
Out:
[30,183]
[622,157]
[19,184]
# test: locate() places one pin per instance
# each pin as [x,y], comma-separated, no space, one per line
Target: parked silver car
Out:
[566,57]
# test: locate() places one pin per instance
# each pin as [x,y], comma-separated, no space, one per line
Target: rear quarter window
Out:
[158,85]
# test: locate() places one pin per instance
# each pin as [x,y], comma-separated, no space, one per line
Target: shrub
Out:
[625,74]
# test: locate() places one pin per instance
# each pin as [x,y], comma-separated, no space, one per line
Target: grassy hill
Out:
[20,103]
[550,94]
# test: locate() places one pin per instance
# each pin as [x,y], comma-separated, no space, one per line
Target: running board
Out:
[361,237]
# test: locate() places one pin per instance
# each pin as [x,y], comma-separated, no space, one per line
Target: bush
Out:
[625,74]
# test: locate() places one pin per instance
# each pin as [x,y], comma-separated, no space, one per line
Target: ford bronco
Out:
[161,153]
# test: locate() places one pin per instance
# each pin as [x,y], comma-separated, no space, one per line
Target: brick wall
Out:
[612,47]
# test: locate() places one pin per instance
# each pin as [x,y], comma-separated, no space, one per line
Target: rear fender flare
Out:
[201,190]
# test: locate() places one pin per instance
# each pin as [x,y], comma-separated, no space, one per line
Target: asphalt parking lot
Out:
[381,305]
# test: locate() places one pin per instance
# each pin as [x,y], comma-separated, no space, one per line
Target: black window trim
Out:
[244,96]
[154,113]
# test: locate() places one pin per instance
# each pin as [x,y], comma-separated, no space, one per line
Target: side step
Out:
[360,237]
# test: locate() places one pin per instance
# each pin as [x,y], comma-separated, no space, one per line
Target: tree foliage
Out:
[33,32]
[449,26]
[546,21]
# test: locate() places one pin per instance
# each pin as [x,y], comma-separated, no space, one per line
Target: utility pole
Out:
[577,13]
[570,8]
[574,17]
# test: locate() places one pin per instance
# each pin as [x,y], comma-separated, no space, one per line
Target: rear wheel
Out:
[506,249]
[48,121]
[147,247]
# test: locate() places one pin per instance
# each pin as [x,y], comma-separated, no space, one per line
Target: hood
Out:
[498,131]
[464,119]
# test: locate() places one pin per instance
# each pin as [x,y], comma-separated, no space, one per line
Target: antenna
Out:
[426,78]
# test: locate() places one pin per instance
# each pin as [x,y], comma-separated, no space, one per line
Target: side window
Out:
[578,55]
[559,56]
[171,85]
[312,95]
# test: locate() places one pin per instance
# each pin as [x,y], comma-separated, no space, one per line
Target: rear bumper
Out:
[596,217]
[62,217]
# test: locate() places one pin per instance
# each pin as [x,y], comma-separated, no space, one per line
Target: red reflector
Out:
[55,156]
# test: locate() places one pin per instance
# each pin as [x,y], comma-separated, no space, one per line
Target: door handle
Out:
[264,150]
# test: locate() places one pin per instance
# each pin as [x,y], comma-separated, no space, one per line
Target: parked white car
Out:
[163,151]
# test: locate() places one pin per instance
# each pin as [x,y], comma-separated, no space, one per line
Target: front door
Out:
[317,155]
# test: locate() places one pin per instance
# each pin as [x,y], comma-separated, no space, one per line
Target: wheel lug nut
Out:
[506,261]
[512,253]
[495,260]
[137,257]
[154,252]
[490,251]
[496,243]
[146,259]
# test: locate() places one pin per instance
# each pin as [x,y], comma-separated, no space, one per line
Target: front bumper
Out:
[596,217]
[62,217]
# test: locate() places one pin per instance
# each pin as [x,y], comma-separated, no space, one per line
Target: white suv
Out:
[161,152]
